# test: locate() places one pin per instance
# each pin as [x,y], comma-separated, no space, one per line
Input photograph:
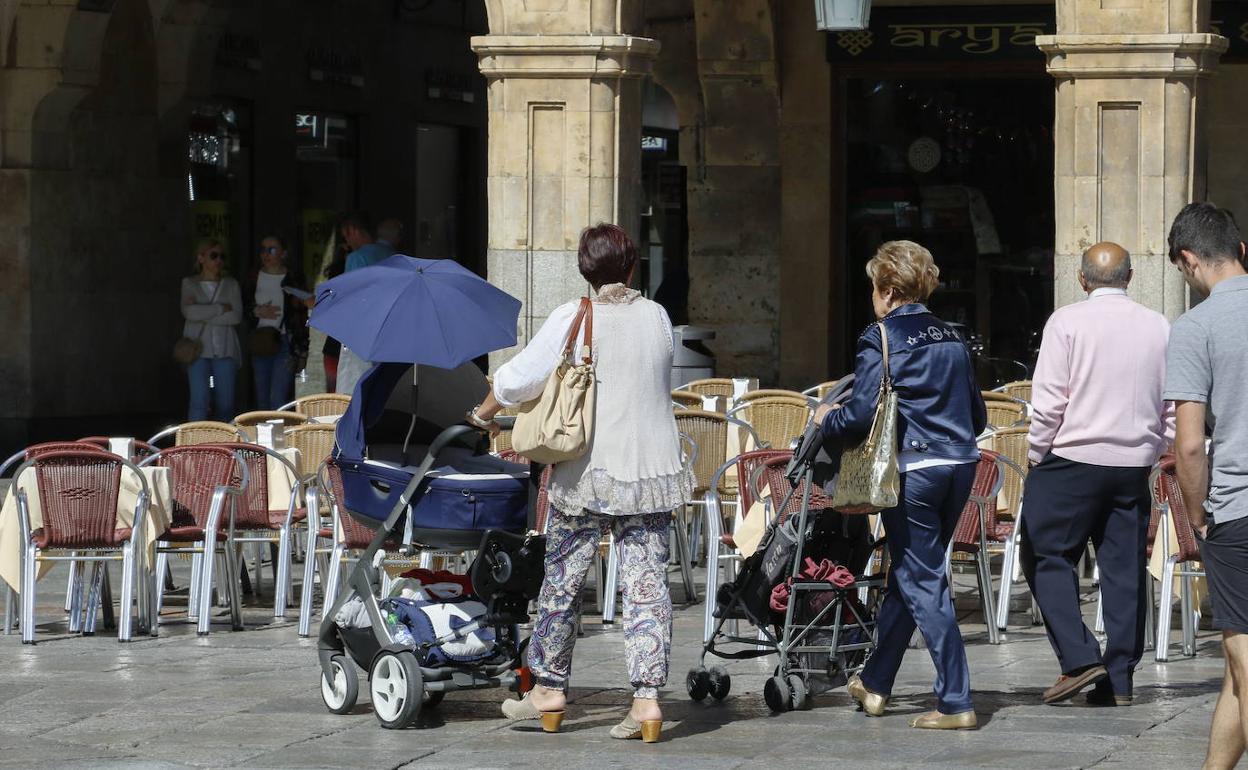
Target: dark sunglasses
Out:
[214,255]
[270,250]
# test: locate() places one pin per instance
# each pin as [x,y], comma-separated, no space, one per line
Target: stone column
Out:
[1129,137]
[564,140]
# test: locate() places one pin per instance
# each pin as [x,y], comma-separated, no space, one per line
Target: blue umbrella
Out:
[419,311]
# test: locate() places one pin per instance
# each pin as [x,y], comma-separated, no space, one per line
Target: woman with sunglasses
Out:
[212,305]
[278,320]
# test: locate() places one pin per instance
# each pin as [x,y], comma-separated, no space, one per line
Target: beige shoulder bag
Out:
[869,480]
[559,424]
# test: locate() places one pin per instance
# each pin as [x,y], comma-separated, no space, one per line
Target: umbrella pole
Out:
[411,426]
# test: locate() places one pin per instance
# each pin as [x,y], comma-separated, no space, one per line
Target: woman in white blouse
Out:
[626,485]
[212,305]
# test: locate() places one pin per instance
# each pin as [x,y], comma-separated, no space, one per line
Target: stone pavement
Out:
[251,699]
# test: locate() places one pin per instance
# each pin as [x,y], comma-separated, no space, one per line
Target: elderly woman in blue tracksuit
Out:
[940,413]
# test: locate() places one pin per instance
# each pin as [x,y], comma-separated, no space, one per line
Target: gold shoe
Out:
[518,710]
[934,720]
[648,730]
[872,702]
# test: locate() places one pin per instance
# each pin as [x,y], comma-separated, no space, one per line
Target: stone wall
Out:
[1227,126]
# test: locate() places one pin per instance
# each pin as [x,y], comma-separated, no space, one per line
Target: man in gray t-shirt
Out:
[1206,367]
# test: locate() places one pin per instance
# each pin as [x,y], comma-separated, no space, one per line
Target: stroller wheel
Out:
[797,686]
[397,689]
[698,682]
[718,682]
[777,695]
[341,693]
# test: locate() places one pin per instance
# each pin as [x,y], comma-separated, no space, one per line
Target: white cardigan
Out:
[633,465]
[208,321]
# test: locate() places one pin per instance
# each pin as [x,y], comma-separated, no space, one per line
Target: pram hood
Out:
[382,406]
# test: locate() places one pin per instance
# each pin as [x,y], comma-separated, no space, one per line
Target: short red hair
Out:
[605,255]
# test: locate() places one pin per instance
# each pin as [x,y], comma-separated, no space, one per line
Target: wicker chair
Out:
[200,432]
[256,522]
[776,419]
[78,492]
[202,478]
[720,546]
[1179,563]
[971,534]
[715,386]
[817,392]
[319,405]
[684,399]
[1004,411]
[142,449]
[1020,389]
[247,421]
[315,443]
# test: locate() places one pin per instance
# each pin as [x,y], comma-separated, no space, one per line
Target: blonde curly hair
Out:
[905,267]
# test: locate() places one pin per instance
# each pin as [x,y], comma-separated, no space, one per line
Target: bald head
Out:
[1105,265]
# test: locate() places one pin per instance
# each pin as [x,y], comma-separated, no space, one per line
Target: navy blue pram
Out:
[415,475]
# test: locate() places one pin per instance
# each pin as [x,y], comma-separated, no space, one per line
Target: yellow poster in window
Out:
[211,219]
[317,231]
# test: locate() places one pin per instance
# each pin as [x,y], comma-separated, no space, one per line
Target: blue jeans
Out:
[919,531]
[273,377]
[223,372]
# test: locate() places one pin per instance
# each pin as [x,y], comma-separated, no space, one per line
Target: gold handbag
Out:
[559,424]
[869,480]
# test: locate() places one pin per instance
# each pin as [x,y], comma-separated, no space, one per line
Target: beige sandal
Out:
[518,710]
[648,730]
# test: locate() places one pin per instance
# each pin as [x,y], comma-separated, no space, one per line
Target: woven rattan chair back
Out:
[315,443]
[1004,411]
[686,399]
[247,421]
[714,386]
[779,486]
[354,534]
[981,505]
[47,447]
[253,513]
[195,473]
[1189,549]
[747,463]
[322,405]
[1020,389]
[1012,444]
[709,432]
[78,491]
[777,420]
[142,449]
[205,432]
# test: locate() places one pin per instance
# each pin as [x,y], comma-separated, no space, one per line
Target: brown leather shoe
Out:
[872,702]
[934,720]
[1068,687]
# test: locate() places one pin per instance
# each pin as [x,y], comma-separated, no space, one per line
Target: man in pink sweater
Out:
[1098,425]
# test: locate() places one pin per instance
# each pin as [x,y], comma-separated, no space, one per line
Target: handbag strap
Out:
[888,376]
[584,315]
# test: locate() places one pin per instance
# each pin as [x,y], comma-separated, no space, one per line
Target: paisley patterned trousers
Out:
[571,541]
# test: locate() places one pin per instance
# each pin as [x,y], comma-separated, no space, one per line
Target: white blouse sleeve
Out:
[523,377]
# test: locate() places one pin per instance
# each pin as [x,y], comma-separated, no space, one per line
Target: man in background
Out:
[1099,423]
[357,231]
[390,234]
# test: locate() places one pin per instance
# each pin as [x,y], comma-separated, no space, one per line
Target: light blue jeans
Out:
[273,377]
[223,372]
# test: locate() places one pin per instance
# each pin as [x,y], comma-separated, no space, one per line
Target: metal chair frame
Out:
[979,549]
[129,553]
[1174,565]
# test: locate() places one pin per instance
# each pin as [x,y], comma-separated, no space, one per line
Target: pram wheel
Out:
[798,693]
[777,694]
[340,694]
[698,683]
[397,689]
[719,682]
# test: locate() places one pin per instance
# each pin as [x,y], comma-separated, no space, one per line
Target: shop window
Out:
[218,183]
[326,151]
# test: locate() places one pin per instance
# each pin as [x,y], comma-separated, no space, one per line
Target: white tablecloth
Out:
[158,516]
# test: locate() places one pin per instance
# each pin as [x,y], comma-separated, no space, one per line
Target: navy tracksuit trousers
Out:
[1065,504]
[919,531]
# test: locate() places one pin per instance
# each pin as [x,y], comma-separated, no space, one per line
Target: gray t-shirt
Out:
[1207,361]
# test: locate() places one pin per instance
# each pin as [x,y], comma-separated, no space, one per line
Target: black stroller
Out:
[826,629]
[456,498]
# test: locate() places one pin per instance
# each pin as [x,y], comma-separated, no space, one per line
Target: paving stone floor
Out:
[251,699]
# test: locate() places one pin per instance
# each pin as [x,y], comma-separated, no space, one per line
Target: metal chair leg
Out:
[985,596]
[73,585]
[1100,611]
[27,590]
[209,546]
[329,585]
[609,591]
[1186,612]
[106,598]
[94,597]
[307,590]
[1150,613]
[1007,581]
[1165,611]
[10,609]
[125,626]
[686,571]
[162,583]
[196,591]
[283,573]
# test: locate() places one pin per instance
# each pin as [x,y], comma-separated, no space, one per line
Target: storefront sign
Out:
[959,33]
[317,229]
[328,65]
[442,85]
[238,51]
[985,32]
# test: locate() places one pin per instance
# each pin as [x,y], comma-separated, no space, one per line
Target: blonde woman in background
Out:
[212,305]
